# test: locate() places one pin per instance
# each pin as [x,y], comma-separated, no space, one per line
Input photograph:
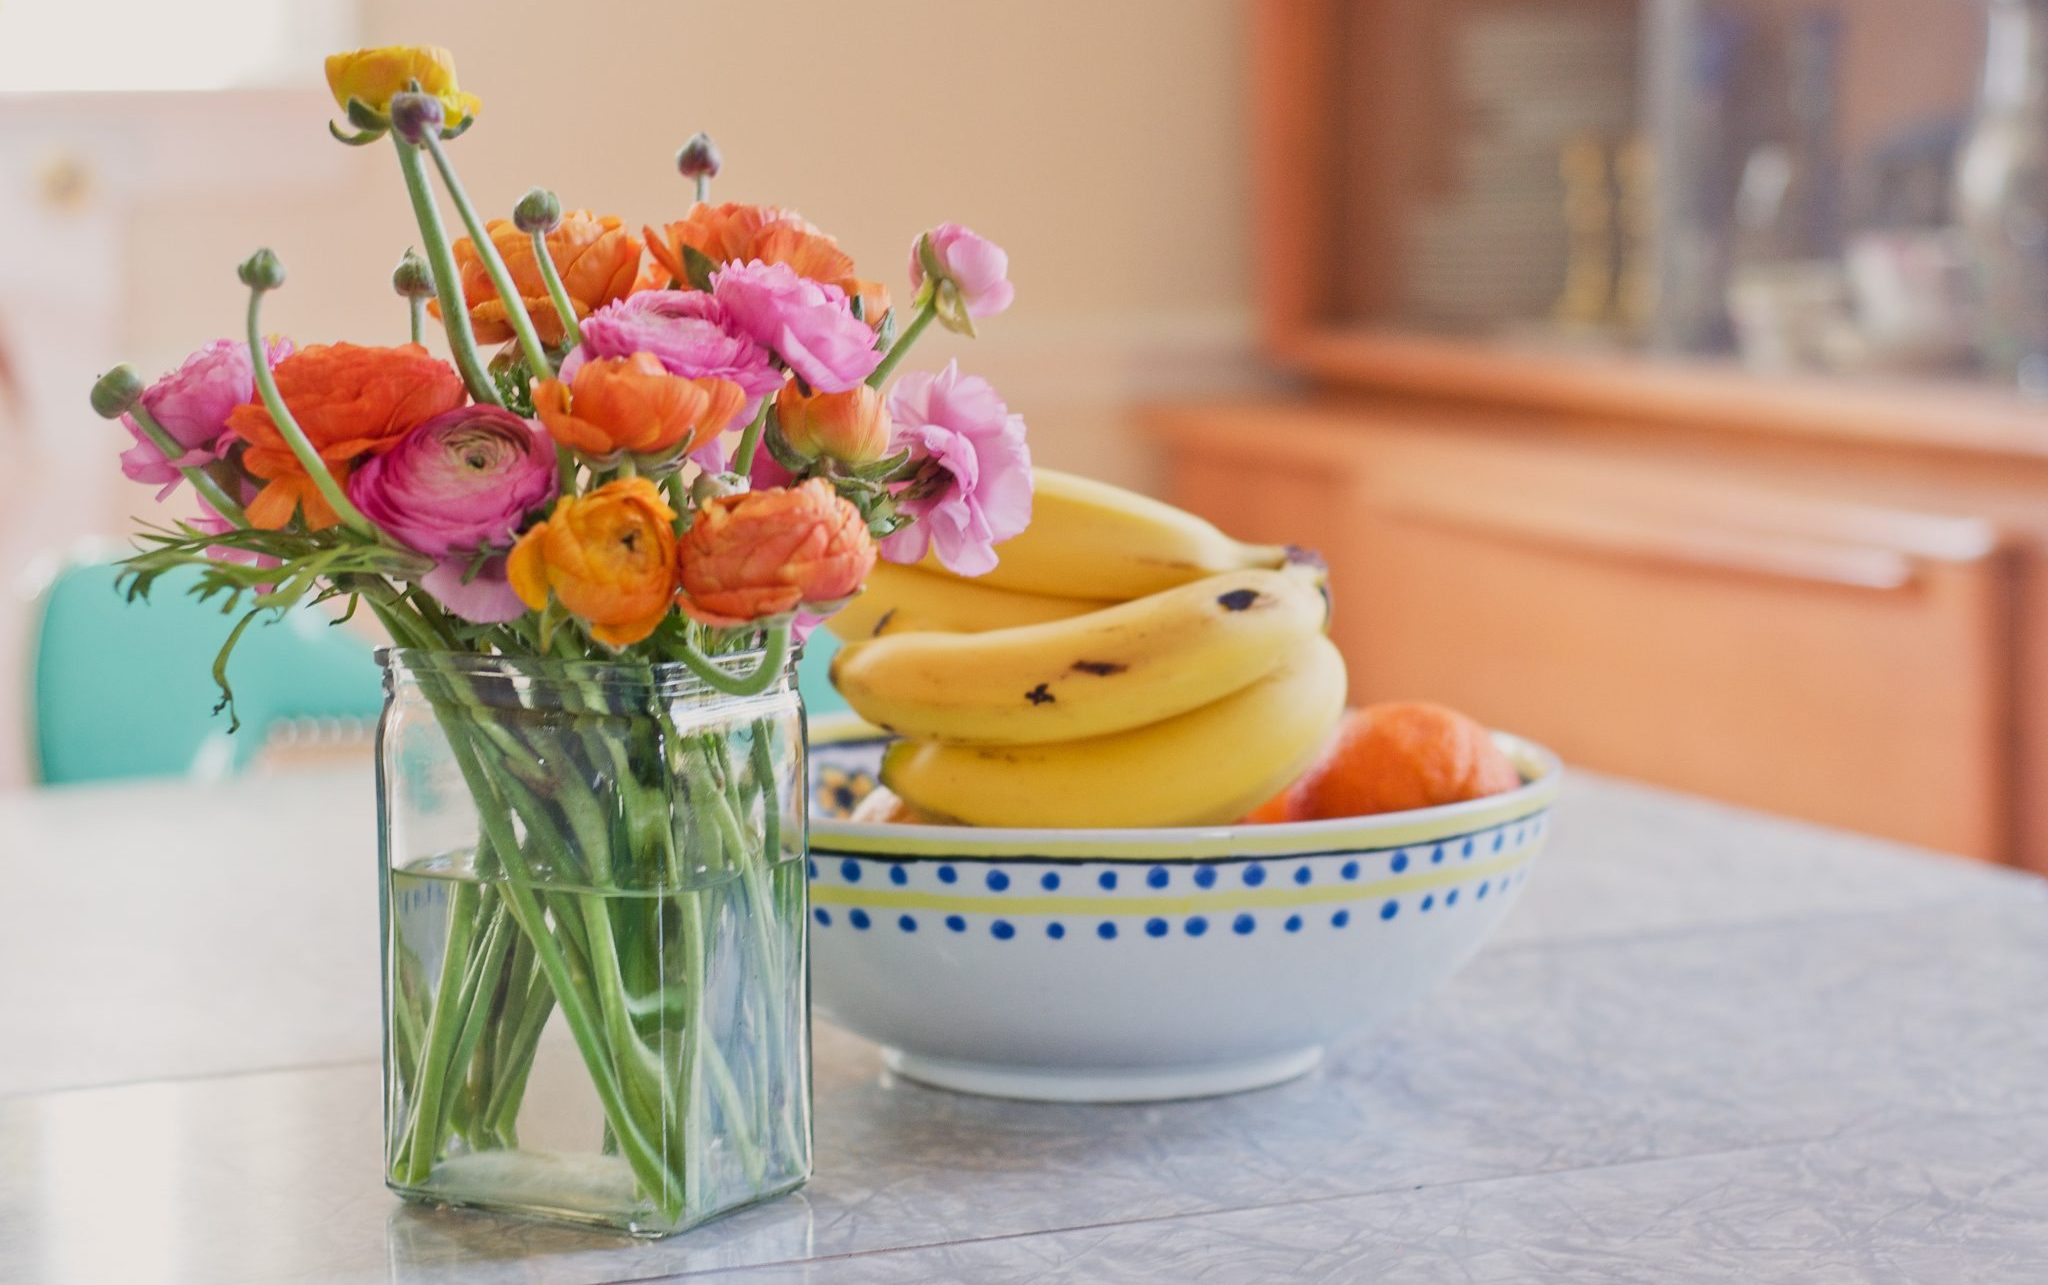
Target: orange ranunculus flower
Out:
[351,401]
[742,233]
[598,259]
[766,553]
[852,427]
[372,76]
[873,296]
[613,404]
[607,556]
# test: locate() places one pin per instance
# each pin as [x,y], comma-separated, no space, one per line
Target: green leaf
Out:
[699,266]
[220,670]
[782,452]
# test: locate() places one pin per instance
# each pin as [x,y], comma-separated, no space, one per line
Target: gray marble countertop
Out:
[1708,1046]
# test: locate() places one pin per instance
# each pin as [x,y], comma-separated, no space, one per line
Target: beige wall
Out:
[1097,141]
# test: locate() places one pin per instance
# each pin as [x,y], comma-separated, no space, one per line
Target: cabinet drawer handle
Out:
[1635,539]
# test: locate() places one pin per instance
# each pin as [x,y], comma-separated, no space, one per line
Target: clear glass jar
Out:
[595,984]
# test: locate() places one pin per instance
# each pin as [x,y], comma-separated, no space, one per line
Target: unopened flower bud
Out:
[699,158]
[412,278]
[261,271]
[116,392]
[851,427]
[415,116]
[711,486]
[537,211]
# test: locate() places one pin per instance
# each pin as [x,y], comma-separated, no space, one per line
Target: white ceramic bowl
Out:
[1129,965]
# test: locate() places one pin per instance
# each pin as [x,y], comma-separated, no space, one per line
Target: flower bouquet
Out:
[593,549]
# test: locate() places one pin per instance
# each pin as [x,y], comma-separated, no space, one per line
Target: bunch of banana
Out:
[1126,664]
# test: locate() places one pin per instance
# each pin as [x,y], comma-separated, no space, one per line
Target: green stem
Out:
[901,348]
[294,436]
[447,280]
[549,274]
[202,481]
[443,1029]
[774,658]
[487,252]
[417,305]
[750,440]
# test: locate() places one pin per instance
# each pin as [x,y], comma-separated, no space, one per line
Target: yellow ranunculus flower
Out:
[372,76]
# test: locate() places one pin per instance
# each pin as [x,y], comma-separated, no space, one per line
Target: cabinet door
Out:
[1799,655]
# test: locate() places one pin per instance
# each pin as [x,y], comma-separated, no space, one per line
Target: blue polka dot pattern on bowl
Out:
[1038,899]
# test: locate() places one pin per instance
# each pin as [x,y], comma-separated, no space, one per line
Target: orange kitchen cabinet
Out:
[1847,662]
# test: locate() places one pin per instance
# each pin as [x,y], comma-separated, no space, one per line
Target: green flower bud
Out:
[699,158]
[537,211]
[116,392]
[412,278]
[261,271]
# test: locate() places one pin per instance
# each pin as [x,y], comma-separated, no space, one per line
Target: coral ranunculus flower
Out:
[743,233]
[608,557]
[759,554]
[633,404]
[851,426]
[351,401]
[599,261]
[372,76]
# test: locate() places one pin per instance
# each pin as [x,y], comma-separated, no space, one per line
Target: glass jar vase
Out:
[595,984]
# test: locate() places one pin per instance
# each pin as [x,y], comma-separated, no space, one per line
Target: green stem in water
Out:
[487,252]
[202,481]
[901,348]
[750,441]
[557,292]
[447,281]
[288,428]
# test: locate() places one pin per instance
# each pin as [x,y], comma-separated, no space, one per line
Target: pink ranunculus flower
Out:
[978,268]
[974,489]
[809,325]
[461,484]
[686,331]
[192,404]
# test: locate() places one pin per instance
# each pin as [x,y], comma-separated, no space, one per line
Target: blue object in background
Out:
[813,675]
[121,689]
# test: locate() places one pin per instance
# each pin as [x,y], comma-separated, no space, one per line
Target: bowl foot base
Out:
[1103,1084]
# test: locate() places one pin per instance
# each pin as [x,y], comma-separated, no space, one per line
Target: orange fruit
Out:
[1392,757]
[1277,808]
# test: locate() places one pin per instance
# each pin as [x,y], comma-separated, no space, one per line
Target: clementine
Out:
[1397,756]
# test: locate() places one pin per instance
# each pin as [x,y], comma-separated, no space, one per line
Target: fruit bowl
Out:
[1145,964]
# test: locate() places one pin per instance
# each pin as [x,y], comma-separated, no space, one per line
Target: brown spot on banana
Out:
[1239,599]
[1040,696]
[1099,668]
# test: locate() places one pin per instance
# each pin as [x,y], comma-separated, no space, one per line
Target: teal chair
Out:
[120,689]
[813,675]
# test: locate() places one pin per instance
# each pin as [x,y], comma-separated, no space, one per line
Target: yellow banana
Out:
[900,599]
[1205,767]
[1088,539]
[1121,667]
